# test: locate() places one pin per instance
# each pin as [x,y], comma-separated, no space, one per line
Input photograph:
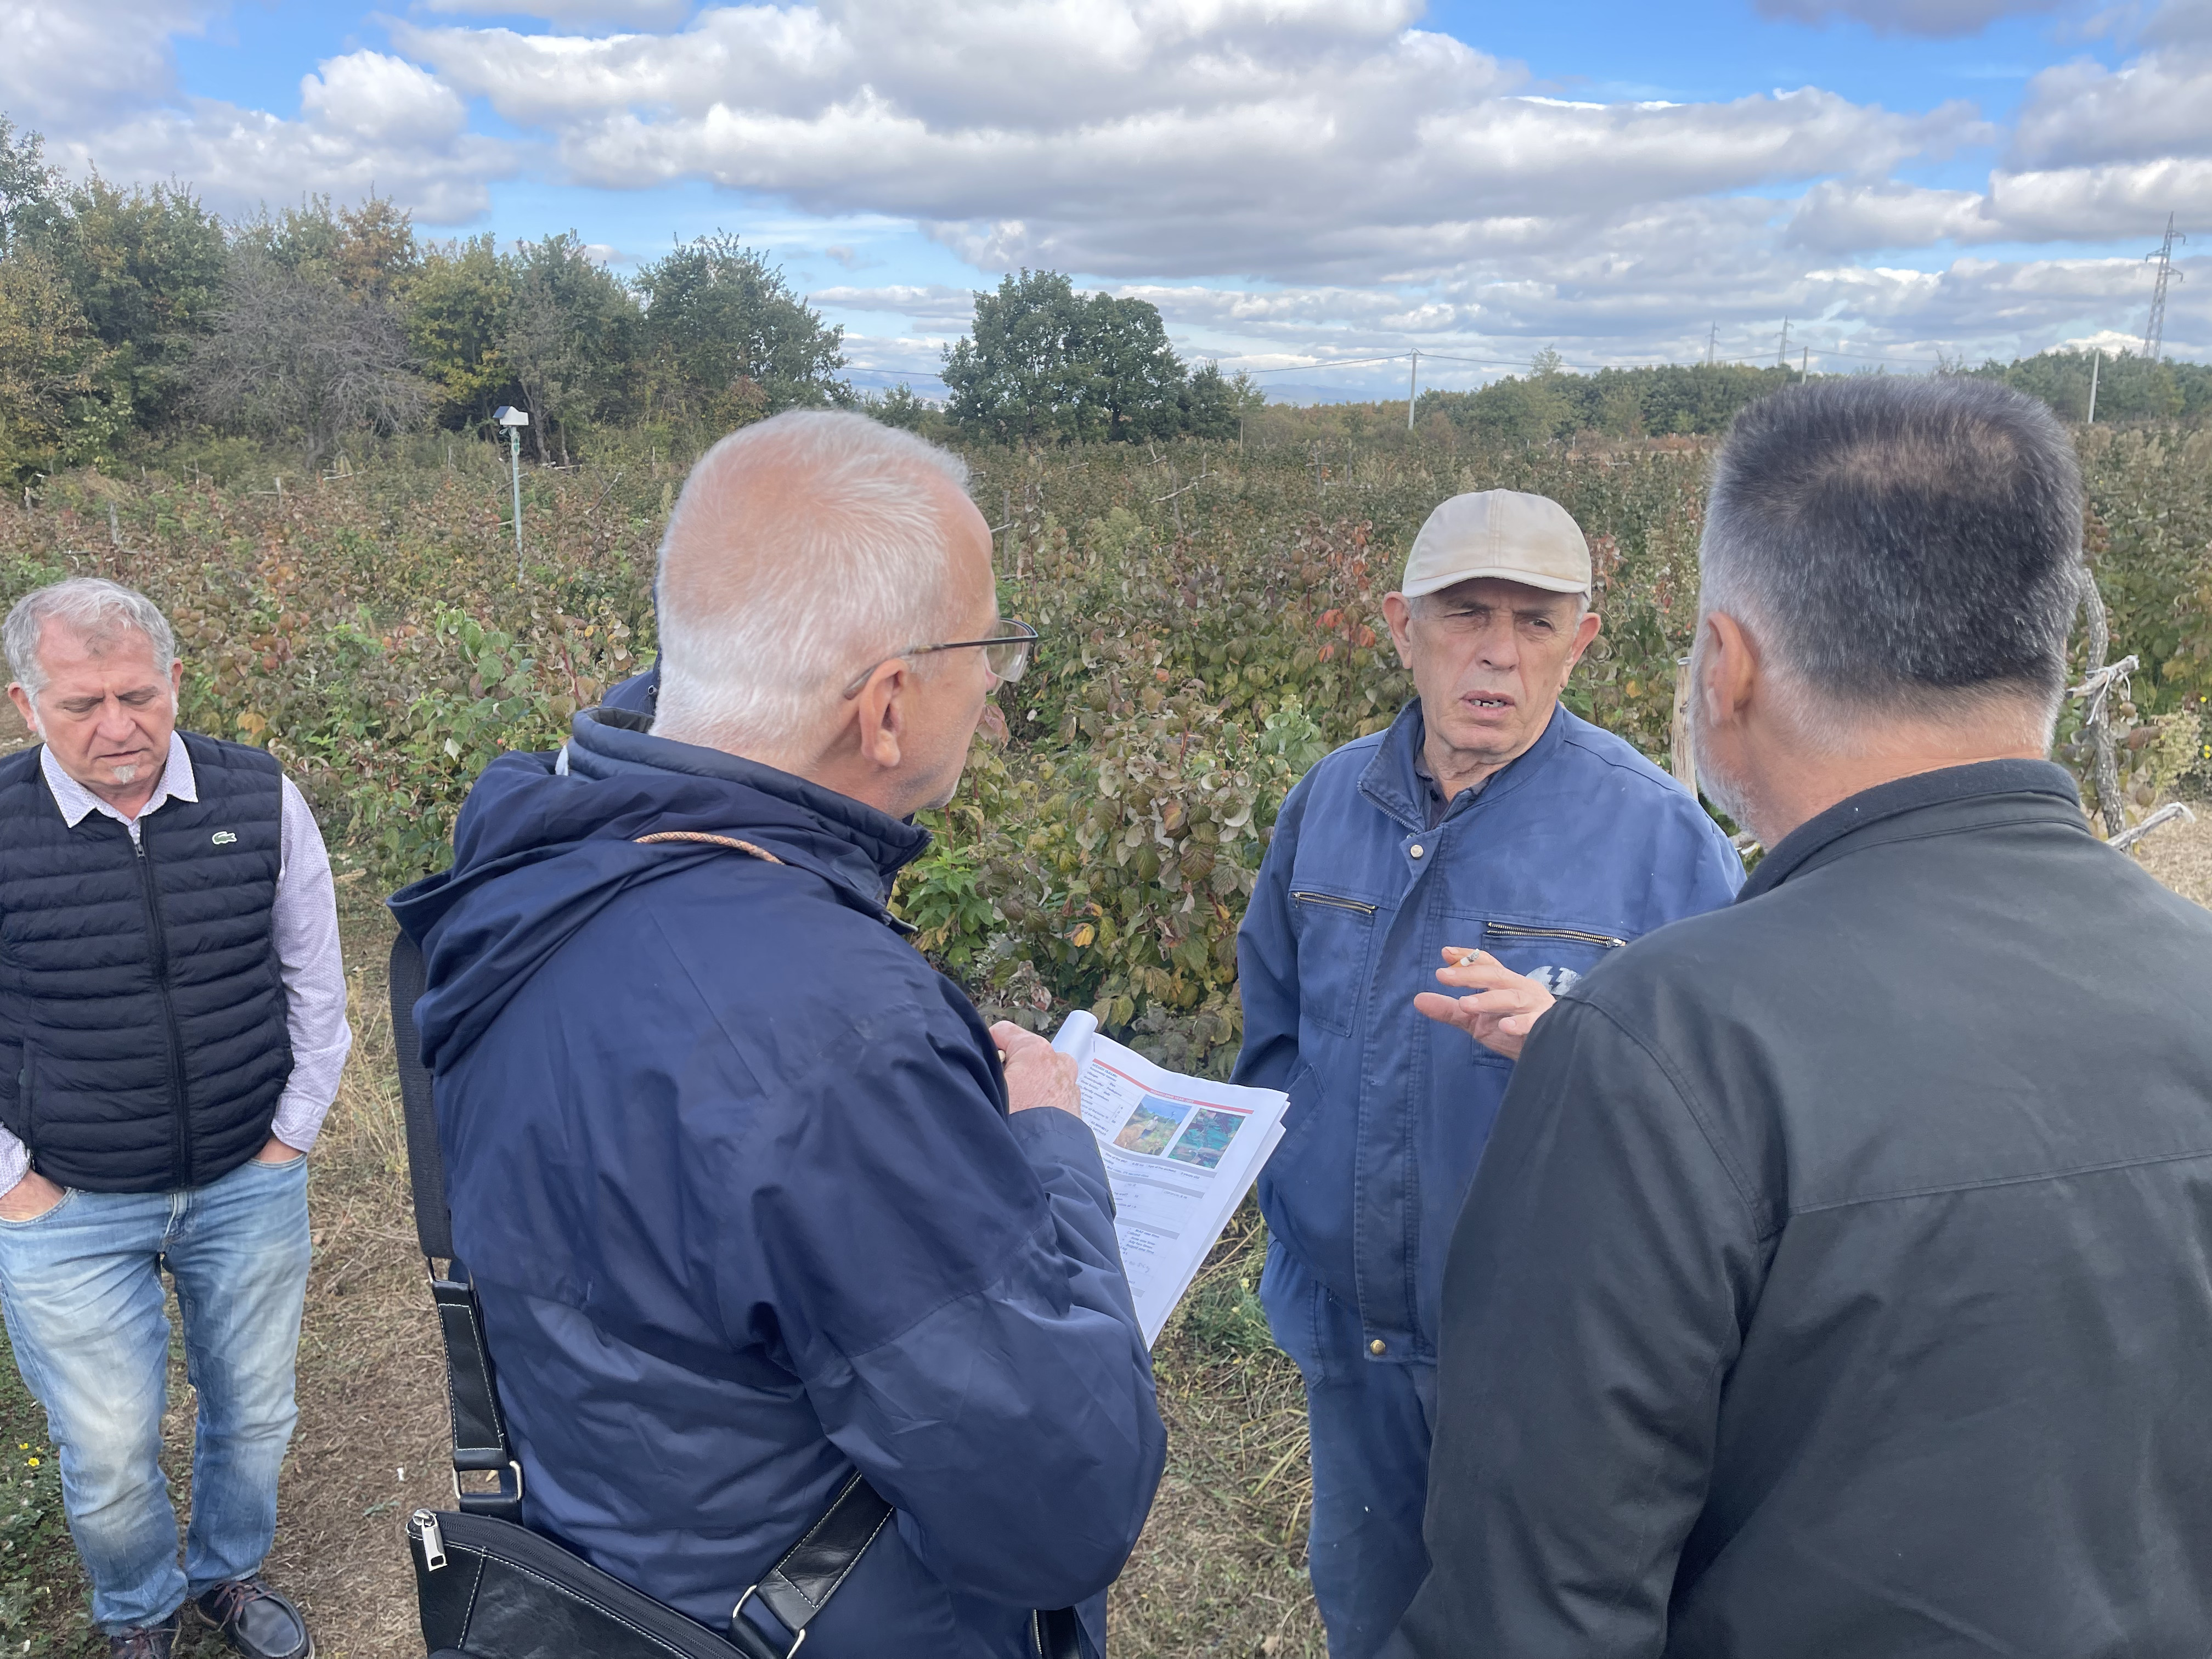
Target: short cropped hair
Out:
[765,613]
[1898,546]
[93,608]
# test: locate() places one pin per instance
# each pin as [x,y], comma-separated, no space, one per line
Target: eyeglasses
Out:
[1006,653]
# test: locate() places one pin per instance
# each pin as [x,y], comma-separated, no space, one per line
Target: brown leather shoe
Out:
[145,1641]
[256,1621]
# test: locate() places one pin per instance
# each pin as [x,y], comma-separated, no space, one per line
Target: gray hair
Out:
[803,546]
[93,608]
[1898,547]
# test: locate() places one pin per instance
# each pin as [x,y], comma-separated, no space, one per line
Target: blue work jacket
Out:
[1575,848]
[734,1173]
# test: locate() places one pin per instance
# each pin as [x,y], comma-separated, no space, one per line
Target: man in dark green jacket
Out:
[1836,1281]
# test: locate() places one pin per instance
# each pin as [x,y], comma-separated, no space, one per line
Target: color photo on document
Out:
[1152,1126]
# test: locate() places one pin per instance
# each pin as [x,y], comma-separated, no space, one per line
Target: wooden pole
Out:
[1680,760]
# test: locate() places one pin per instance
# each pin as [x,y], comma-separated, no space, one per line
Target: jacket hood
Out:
[545,841]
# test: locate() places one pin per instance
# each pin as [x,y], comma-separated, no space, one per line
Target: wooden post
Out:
[1680,760]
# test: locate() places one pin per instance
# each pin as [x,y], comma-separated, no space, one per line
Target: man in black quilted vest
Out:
[171,1029]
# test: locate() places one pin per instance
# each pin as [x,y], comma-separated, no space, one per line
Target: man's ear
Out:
[1586,630]
[881,712]
[177,680]
[26,708]
[1397,612]
[1731,665]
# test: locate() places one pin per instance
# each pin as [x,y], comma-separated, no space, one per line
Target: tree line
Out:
[1552,403]
[132,316]
[130,312]
[129,315]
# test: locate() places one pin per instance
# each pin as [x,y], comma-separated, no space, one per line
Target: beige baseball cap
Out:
[1504,533]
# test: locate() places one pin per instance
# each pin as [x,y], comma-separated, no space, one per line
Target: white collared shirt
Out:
[303,927]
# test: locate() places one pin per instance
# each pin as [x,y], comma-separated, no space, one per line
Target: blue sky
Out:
[1296,183]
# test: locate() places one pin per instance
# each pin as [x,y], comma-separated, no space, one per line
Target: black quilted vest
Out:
[143,1038]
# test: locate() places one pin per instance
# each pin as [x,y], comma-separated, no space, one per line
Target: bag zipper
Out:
[160,939]
[424,1525]
[1514,930]
[1334,903]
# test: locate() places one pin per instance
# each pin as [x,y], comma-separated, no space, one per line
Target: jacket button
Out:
[1416,849]
[1378,1346]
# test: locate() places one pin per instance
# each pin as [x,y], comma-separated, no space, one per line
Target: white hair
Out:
[94,609]
[803,550]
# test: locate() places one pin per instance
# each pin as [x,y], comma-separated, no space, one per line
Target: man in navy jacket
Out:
[1488,823]
[753,1198]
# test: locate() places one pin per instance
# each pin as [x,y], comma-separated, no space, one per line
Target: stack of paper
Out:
[1180,1153]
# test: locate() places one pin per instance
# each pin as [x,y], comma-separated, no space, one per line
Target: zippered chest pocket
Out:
[1335,934]
[1555,958]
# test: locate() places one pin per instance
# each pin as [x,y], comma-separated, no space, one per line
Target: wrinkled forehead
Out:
[107,652]
[1495,594]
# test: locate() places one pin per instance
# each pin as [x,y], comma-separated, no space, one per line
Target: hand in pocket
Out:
[30,1198]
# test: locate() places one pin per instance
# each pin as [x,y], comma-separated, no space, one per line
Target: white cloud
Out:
[625,14]
[368,122]
[1286,179]
[2159,105]
[931,302]
[382,100]
[1936,18]
[2101,202]
[1323,140]
[1839,218]
[66,62]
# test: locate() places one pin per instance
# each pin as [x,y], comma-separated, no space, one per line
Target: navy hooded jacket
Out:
[734,1173]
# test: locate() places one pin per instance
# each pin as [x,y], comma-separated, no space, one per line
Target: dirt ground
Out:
[2180,855]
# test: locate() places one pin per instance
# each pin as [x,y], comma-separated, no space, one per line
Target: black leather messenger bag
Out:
[487,1586]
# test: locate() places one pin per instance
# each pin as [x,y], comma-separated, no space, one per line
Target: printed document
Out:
[1180,1153]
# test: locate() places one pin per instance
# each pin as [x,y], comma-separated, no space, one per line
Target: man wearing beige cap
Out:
[1487,824]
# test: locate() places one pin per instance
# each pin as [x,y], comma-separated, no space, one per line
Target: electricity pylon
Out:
[2154,334]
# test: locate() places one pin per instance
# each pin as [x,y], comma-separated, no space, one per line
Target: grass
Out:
[41,1590]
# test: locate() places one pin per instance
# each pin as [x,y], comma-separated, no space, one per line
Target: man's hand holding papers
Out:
[1181,1152]
[1037,1074]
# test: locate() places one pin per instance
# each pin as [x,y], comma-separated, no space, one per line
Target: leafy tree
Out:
[146,265]
[570,335]
[53,371]
[1018,372]
[1041,361]
[28,187]
[369,249]
[295,357]
[1551,402]
[1137,383]
[727,340]
[899,407]
[458,306]
[2128,387]
[377,252]
[1213,404]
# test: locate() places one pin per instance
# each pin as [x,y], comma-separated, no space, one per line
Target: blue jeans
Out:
[80,1286]
[1369,1423]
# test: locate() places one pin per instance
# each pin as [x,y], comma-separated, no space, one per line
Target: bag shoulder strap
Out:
[481,1445]
[799,1585]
